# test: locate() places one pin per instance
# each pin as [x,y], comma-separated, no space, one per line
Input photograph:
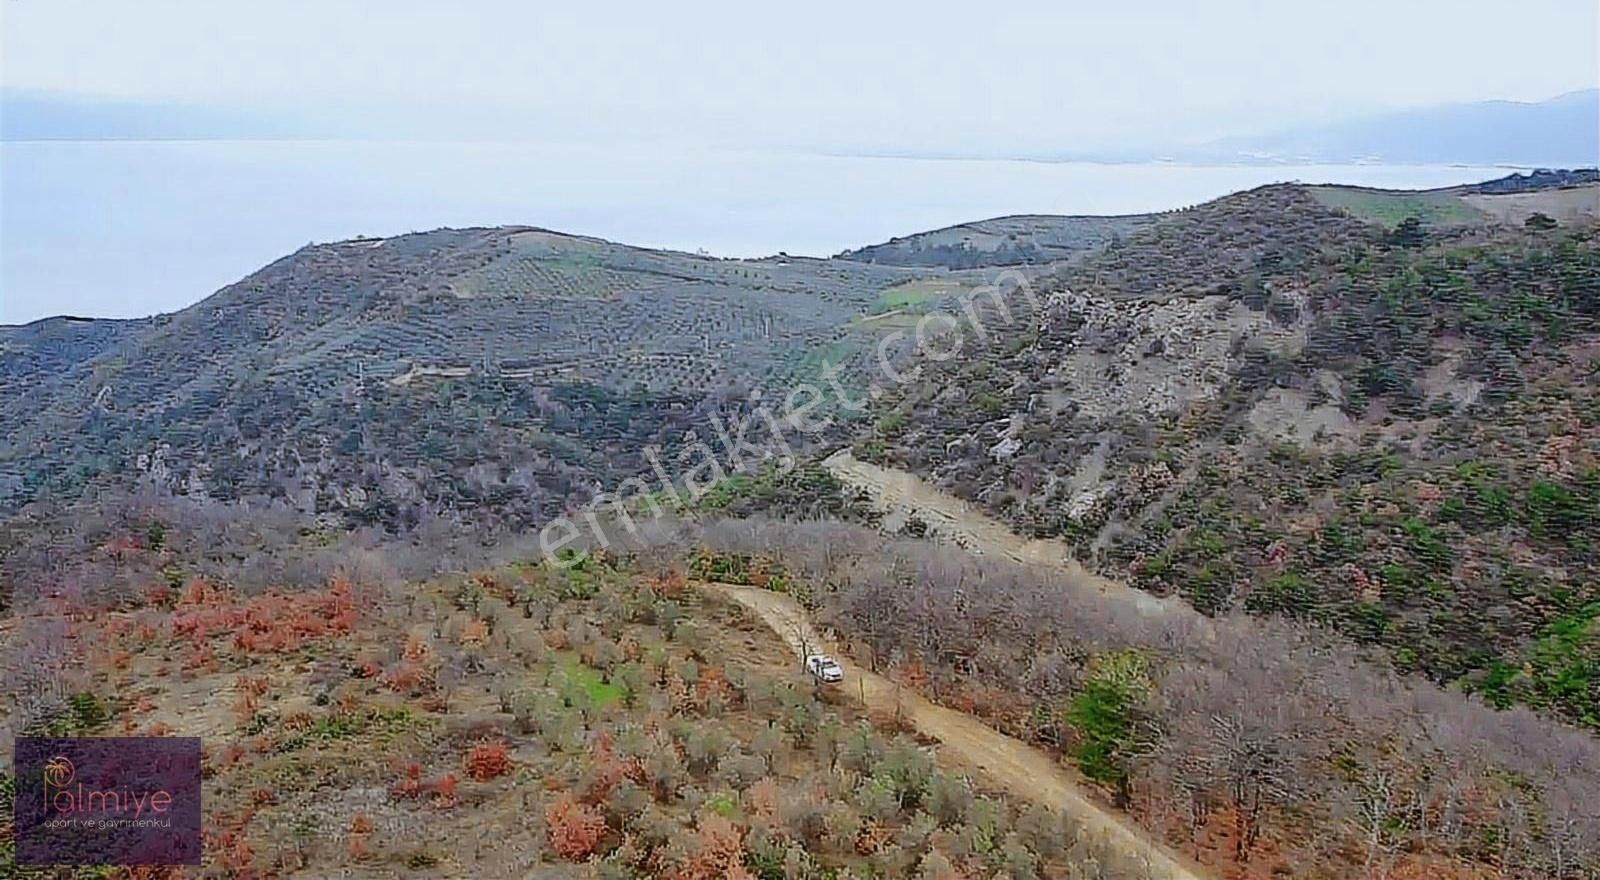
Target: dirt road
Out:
[1010,763]
[898,494]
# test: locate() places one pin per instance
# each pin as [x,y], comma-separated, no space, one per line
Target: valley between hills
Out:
[1254,539]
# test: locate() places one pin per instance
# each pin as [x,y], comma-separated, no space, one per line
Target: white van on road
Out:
[824,669]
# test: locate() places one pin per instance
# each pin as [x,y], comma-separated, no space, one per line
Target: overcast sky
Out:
[1021,74]
[653,123]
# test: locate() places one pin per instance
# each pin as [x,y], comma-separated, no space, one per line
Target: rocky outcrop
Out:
[1150,357]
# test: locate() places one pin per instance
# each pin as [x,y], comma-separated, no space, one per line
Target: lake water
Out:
[132,228]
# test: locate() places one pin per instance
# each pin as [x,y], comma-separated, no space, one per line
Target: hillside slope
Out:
[1268,405]
[597,718]
[341,377]
[1270,451]
[1026,772]
[1002,241]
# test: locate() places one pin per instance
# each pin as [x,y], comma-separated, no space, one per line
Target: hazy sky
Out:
[651,123]
[1021,74]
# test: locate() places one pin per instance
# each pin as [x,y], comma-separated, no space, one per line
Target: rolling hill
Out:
[1284,402]
[518,369]
[1001,241]
[1271,529]
[368,363]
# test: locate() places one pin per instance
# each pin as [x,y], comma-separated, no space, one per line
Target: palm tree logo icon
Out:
[58,771]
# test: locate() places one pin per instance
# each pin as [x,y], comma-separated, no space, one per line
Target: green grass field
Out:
[1389,208]
[914,294]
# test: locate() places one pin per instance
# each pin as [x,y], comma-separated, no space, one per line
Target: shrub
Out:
[1289,593]
[488,759]
[949,798]
[909,771]
[88,711]
[574,829]
[1102,714]
[740,771]
[1553,510]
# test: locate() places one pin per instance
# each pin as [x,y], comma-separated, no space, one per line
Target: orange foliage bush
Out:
[678,694]
[488,759]
[610,770]
[200,657]
[475,632]
[718,853]
[574,829]
[416,649]
[407,677]
[233,853]
[298,722]
[712,685]
[444,791]
[491,585]
[244,706]
[671,584]
[872,838]
[360,827]
[271,622]
[410,784]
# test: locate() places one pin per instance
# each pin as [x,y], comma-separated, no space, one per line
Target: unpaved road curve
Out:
[1014,765]
[897,493]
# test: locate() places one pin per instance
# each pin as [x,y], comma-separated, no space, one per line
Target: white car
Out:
[824,668]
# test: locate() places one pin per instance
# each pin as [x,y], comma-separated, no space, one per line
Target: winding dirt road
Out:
[1015,766]
[899,494]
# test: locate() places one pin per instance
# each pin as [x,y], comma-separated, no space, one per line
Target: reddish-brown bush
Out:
[574,829]
[488,759]
[718,853]
[410,784]
[444,791]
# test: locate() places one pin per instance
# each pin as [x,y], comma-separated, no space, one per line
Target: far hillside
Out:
[513,366]
[1320,597]
[1002,241]
[1563,129]
[1307,402]
[1562,196]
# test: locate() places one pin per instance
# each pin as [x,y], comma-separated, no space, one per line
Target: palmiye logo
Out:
[63,796]
[58,771]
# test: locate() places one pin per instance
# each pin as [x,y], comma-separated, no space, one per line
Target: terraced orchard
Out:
[340,377]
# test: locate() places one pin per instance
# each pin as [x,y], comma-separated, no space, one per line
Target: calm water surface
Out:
[131,228]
